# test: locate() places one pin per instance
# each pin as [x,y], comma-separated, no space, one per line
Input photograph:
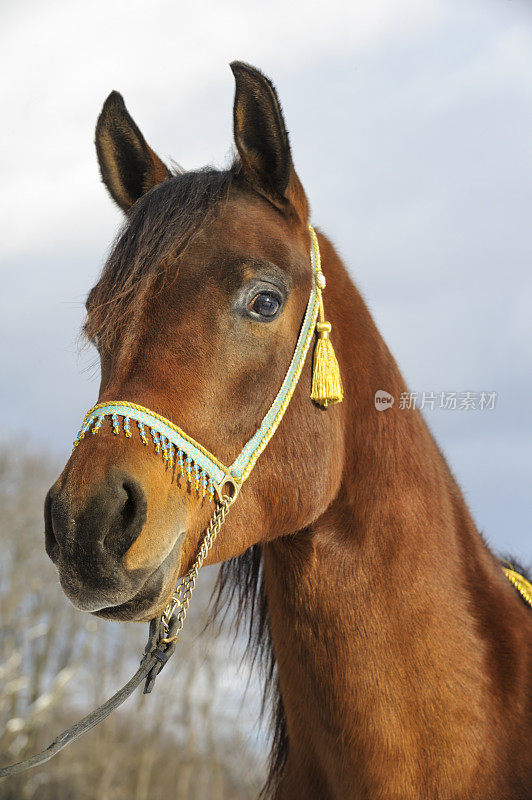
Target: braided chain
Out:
[183,592]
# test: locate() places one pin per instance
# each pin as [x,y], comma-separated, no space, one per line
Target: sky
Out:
[411,129]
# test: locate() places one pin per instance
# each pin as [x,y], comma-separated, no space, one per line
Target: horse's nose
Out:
[104,529]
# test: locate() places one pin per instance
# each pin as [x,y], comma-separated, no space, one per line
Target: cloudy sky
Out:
[411,128]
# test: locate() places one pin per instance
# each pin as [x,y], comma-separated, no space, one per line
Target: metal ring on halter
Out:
[230,484]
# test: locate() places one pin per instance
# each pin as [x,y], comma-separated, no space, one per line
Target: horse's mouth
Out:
[145,602]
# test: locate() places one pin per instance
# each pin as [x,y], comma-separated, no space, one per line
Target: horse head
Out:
[196,315]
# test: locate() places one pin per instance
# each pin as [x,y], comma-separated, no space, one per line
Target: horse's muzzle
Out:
[87,545]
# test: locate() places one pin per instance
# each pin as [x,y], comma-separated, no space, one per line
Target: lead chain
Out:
[181,597]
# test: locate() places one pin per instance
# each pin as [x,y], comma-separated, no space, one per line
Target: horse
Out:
[398,655]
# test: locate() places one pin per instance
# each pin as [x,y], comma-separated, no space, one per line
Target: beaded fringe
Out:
[173,457]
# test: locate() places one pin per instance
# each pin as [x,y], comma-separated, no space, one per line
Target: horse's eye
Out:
[265,304]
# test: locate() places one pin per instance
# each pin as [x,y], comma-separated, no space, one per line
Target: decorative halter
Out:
[201,468]
[206,473]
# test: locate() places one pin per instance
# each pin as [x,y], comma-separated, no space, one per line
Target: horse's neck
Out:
[376,613]
[379,656]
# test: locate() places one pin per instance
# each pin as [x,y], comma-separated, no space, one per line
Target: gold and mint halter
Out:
[200,467]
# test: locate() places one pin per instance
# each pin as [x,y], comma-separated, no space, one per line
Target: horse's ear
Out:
[129,167]
[262,140]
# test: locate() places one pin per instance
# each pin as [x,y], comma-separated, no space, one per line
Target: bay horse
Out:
[398,655]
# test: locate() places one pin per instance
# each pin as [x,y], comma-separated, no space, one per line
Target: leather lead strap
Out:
[156,654]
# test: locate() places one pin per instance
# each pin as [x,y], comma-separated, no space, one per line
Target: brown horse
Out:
[399,655]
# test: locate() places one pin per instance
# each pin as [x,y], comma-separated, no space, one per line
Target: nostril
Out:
[51,545]
[129,509]
[129,516]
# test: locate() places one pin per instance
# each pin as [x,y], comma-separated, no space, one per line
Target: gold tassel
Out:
[326,381]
